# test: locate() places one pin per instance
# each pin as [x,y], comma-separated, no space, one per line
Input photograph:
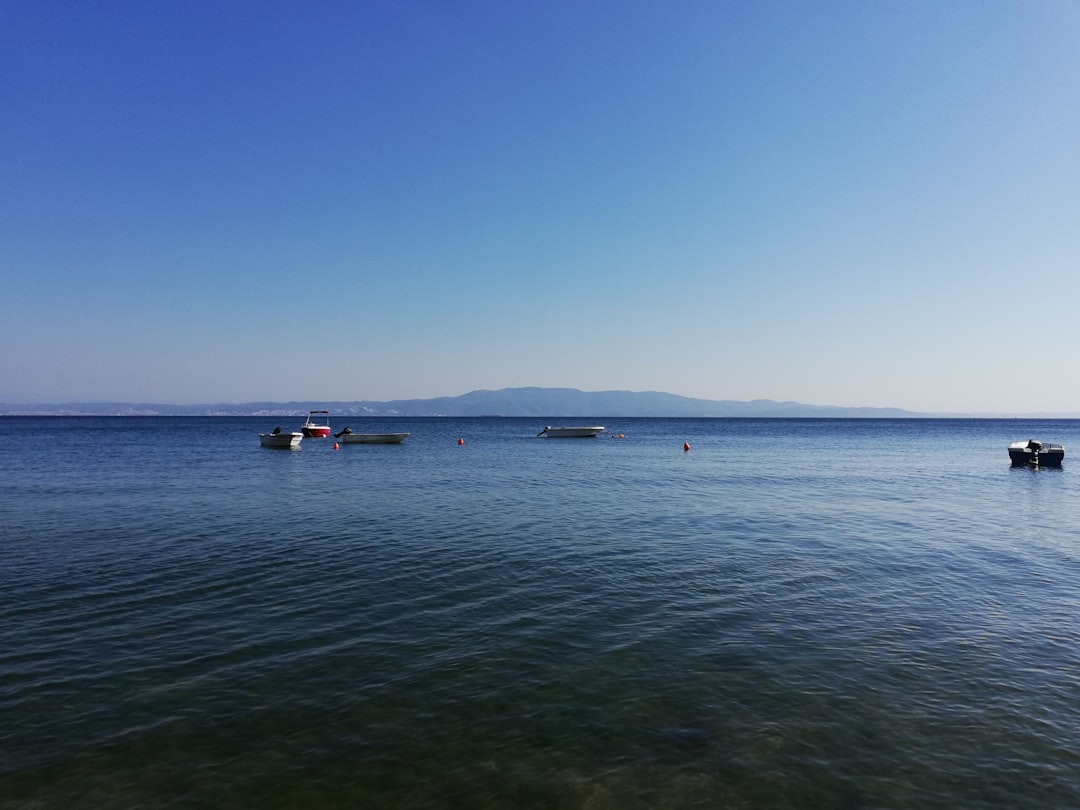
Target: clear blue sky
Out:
[840,203]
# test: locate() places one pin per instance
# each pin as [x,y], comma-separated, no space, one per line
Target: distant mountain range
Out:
[538,402]
[547,403]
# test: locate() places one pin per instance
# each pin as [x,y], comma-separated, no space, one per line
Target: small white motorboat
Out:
[314,429]
[346,436]
[1036,453]
[571,432]
[278,439]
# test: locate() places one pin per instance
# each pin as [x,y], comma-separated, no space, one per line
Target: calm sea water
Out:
[793,614]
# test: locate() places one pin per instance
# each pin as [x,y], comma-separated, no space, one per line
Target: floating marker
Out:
[335,445]
[461,441]
[686,447]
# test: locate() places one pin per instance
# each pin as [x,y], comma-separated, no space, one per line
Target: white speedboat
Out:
[1036,453]
[348,437]
[571,432]
[278,439]
[313,428]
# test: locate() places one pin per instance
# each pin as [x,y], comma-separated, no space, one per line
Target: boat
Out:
[571,432]
[315,430]
[276,438]
[1036,453]
[348,437]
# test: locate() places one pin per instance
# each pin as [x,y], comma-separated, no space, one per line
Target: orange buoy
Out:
[335,445]
[621,436]
[461,441]
[686,447]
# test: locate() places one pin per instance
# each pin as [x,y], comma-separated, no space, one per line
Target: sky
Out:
[837,203]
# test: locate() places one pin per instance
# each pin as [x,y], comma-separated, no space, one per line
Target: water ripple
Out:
[531,623]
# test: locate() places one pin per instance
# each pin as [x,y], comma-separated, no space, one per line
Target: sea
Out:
[679,613]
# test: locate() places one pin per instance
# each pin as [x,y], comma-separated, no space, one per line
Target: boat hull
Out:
[572,432]
[372,438]
[316,431]
[1036,454]
[282,441]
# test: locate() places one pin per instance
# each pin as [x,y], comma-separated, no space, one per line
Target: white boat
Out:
[571,432]
[1036,453]
[371,438]
[314,429]
[278,439]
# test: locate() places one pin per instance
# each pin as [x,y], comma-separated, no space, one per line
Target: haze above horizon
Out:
[847,203]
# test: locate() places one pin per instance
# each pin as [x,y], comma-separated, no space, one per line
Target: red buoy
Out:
[461,441]
[686,447]
[335,445]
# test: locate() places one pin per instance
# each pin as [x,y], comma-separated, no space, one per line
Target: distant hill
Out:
[538,402]
[572,402]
